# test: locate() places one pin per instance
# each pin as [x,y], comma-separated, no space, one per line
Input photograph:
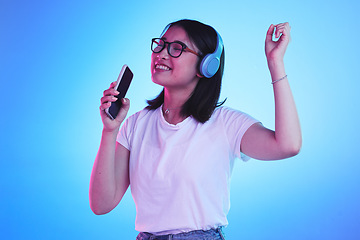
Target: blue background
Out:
[57,57]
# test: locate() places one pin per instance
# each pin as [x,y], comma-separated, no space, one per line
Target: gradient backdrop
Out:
[57,57]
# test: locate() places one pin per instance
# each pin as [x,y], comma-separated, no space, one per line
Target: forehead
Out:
[175,33]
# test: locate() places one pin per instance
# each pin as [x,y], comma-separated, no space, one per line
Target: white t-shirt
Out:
[180,174]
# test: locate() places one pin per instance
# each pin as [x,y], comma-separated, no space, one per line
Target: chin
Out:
[156,80]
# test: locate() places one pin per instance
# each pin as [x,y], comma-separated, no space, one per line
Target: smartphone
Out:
[122,85]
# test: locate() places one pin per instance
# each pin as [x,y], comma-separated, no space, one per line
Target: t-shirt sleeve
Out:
[236,124]
[123,135]
[126,131]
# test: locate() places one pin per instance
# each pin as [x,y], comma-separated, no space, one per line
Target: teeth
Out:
[162,67]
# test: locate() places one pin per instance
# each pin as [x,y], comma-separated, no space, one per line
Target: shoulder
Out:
[225,112]
[141,115]
[137,118]
[232,118]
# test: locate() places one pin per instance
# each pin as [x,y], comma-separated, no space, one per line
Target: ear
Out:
[199,75]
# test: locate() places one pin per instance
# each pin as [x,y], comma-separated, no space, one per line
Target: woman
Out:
[177,154]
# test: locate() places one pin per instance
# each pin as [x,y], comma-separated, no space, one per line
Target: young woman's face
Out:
[175,73]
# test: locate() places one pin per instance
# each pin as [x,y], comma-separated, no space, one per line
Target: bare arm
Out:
[259,142]
[110,175]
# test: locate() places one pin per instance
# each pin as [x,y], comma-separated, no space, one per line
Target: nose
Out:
[164,54]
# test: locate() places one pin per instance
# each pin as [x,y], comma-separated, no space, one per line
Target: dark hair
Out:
[205,96]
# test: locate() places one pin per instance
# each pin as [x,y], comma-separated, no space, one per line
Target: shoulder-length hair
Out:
[205,96]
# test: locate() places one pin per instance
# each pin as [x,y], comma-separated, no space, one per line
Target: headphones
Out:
[210,63]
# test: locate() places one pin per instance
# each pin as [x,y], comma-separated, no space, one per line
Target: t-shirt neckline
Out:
[175,126]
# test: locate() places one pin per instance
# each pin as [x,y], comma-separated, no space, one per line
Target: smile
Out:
[162,67]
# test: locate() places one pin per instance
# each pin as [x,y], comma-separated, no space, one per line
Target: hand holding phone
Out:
[122,86]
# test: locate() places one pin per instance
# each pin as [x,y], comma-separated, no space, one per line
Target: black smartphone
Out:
[122,85]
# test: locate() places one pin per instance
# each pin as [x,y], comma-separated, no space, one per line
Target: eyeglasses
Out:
[175,49]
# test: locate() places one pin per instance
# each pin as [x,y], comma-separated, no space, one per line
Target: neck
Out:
[167,110]
[173,103]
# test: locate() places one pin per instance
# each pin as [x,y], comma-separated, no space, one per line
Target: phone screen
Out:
[122,88]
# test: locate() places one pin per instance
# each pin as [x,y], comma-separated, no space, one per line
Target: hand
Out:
[109,97]
[275,50]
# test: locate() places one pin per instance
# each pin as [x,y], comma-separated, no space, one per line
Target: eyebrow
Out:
[164,38]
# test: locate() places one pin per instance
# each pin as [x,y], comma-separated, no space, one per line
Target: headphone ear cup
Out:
[211,62]
[209,65]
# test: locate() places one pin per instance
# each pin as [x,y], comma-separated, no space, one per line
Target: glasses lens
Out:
[175,49]
[157,45]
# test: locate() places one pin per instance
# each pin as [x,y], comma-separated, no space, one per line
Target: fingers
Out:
[106,102]
[111,90]
[278,30]
[275,49]
[108,96]
[124,109]
[282,28]
[270,32]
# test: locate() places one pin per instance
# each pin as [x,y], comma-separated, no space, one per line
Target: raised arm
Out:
[110,175]
[264,144]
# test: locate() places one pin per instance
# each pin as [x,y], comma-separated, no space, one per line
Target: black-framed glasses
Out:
[175,49]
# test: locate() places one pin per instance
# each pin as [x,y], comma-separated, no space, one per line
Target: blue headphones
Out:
[211,62]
